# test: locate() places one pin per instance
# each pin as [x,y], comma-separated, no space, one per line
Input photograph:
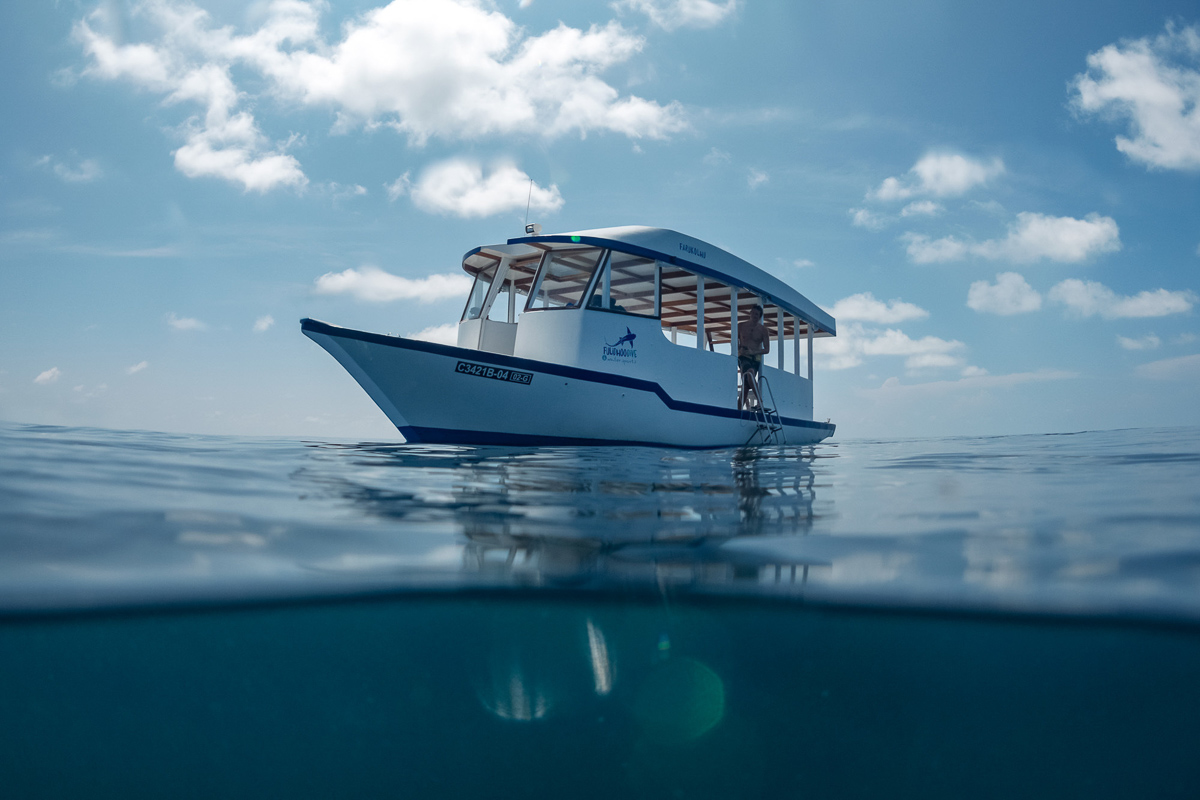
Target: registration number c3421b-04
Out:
[495,373]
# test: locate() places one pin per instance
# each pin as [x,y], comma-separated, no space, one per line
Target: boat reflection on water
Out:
[555,518]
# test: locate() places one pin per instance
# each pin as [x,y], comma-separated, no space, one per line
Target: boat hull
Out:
[436,393]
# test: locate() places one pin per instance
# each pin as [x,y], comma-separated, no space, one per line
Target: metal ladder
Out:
[769,423]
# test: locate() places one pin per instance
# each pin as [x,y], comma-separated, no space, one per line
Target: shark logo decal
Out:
[621,350]
[626,339]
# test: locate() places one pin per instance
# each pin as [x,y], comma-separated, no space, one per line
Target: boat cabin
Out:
[647,302]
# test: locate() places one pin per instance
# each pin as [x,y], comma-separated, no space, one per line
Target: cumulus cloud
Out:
[1010,294]
[673,14]
[438,334]
[1154,85]
[716,157]
[893,389]
[871,220]
[756,178]
[455,69]
[84,171]
[855,342]
[263,323]
[1148,342]
[136,368]
[1171,368]
[941,175]
[184,323]
[1032,237]
[1089,298]
[398,188]
[864,307]
[376,286]
[923,208]
[923,250]
[49,376]
[459,187]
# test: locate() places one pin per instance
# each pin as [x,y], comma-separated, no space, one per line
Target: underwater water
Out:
[196,616]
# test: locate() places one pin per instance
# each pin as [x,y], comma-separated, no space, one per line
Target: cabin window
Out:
[563,278]
[696,310]
[479,290]
[626,285]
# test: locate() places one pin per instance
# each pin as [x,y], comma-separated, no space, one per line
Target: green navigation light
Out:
[574,238]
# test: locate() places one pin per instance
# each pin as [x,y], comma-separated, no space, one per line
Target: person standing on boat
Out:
[753,344]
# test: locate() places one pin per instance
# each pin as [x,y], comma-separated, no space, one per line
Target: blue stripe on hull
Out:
[547,368]
[421,435]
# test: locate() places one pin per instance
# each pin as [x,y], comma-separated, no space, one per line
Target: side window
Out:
[696,310]
[563,277]
[626,285]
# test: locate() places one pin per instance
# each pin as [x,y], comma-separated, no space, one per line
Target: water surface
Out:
[193,616]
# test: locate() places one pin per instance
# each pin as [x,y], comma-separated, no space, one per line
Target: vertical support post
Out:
[512,301]
[809,326]
[733,321]
[779,336]
[674,335]
[606,276]
[658,289]
[699,312]
[796,345]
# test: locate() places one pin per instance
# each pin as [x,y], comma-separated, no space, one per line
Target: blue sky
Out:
[1001,204]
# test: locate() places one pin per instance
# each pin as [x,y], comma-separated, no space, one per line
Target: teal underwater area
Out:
[196,616]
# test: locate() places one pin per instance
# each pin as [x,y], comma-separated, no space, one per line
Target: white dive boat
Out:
[623,338]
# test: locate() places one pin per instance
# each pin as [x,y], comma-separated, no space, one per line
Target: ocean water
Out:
[195,616]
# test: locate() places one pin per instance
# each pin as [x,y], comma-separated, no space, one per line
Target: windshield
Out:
[479,290]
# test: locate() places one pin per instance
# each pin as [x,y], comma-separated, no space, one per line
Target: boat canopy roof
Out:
[668,247]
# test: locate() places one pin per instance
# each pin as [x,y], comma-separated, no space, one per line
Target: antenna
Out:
[527,199]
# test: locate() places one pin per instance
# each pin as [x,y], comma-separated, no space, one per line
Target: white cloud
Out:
[455,69]
[1154,84]
[185,323]
[1148,342]
[923,250]
[1171,368]
[1031,238]
[49,376]
[973,372]
[893,389]
[438,334]
[926,208]
[1010,294]
[672,14]
[136,368]
[803,262]
[941,175]
[756,178]
[398,188]
[1184,338]
[854,342]
[716,157]
[865,218]
[459,187]
[374,285]
[1088,298]
[344,192]
[85,171]
[263,323]
[865,308]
